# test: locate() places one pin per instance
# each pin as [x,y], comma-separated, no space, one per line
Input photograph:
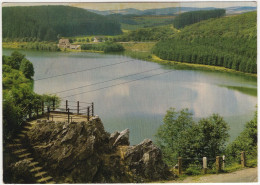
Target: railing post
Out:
[71,119]
[52,118]
[218,165]
[48,114]
[68,115]
[223,162]
[42,107]
[243,159]
[30,111]
[88,113]
[92,108]
[179,166]
[37,112]
[66,105]
[77,107]
[53,104]
[204,165]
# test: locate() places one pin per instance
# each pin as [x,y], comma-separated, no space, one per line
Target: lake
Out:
[139,102]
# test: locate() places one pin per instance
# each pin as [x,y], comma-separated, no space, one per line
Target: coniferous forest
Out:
[47,22]
[192,17]
[228,41]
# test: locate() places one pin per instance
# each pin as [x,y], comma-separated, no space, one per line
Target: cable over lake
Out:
[136,94]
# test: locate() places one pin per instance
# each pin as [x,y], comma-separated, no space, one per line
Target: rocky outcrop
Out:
[145,160]
[85,152]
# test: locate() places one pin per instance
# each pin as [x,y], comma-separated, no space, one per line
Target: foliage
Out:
[40,46]
[246,141]
[106,47]
[18,96]
[27,68]
[229,42]
[48,22]
[176,136]
[192,17]
[14,61]
[149,34]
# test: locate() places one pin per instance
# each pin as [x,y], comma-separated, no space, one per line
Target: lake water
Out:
[140,105]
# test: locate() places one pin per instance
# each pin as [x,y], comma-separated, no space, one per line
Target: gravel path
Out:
[244,175]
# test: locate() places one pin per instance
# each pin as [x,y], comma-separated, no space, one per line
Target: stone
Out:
[113,138]
[122,139]
[145,160]
[85,153]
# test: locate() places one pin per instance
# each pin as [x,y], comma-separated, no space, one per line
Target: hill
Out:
[171,10]
[192,17]
[47,22]
[228,41]
[149,34]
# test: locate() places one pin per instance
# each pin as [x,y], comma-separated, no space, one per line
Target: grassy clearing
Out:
[13,45]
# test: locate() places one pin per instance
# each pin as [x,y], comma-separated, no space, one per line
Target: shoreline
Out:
[150,58]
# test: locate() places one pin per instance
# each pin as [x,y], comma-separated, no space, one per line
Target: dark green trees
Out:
[27,68]
[188,18]
[229,42]
[180,136]
[48,22]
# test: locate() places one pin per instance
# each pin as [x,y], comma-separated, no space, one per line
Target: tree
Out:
[16,59]
[246,141]
[27,68]
[170,135]
[180,136]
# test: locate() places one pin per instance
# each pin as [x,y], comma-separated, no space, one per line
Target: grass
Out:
[13,45]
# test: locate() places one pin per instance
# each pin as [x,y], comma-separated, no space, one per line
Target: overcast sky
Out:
[142,6]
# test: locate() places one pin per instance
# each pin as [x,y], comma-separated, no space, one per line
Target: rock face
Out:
[85,152]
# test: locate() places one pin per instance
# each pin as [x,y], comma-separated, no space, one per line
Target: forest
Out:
[192,17]
[230,42]
[46,23]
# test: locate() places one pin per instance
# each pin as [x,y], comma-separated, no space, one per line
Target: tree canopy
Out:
[176,136]
[228,41]
[47,22]
[192,17]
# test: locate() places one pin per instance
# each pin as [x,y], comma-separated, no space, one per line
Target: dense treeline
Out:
[192,17]
[176,139]
[148,34]
[47,22]
[176,136]
[18,94]
[229,42]
[106,47]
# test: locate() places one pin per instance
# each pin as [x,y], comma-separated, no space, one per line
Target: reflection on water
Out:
[141,104]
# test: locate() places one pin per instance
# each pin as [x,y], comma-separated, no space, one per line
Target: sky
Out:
[139,5]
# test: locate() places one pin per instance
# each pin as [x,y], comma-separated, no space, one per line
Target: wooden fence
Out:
[219,162]
[68,111]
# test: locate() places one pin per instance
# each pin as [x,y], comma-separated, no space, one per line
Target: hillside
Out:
[189,18]
[228,41]
[149,34]
[47,22]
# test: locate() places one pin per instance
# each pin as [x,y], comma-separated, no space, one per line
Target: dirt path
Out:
[245,175]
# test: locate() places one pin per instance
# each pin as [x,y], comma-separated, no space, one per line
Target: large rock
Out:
[145,160]
[122,139]
[85,153]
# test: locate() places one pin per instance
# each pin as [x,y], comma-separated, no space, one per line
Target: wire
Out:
[117,84]
[88,69]
[106,81]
